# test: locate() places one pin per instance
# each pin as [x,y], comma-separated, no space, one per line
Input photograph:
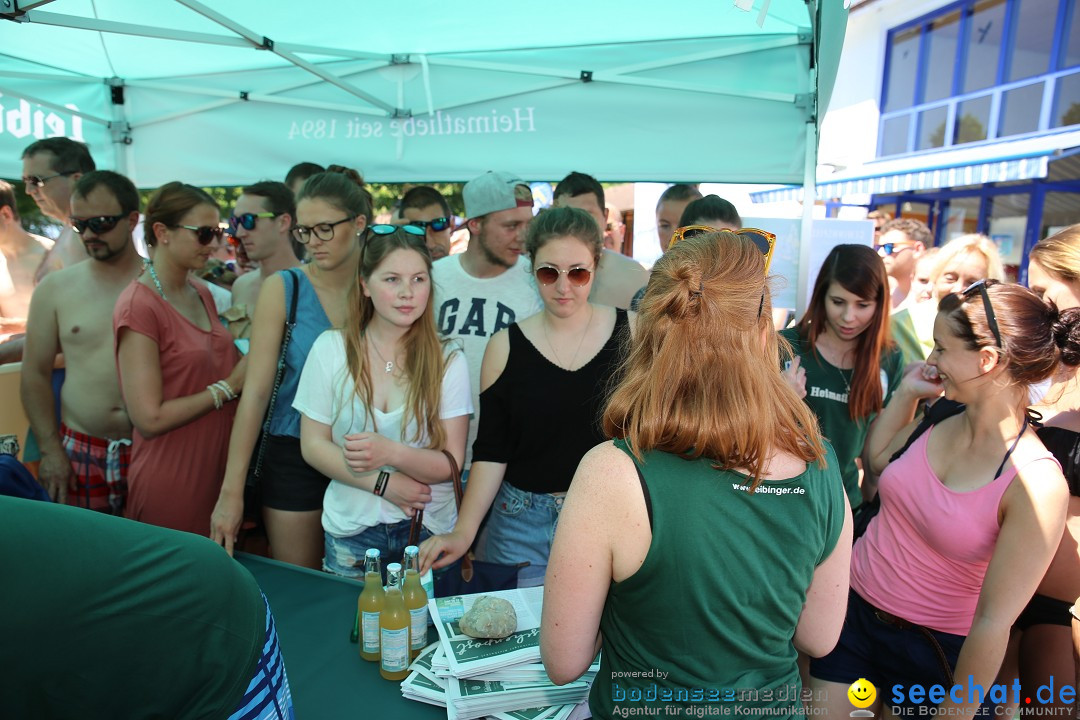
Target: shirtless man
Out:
[84,461]
[23,262]
[261,220]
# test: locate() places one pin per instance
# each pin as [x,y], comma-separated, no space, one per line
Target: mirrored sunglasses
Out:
[205,234]
[248,220]
[382,229]
[98,225]
[892,248]
[437,225]
[547,275]
[765,241]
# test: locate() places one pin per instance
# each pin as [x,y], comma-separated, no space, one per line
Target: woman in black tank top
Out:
[1042,646]
[543,383]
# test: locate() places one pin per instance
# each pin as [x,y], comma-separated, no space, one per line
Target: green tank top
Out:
[707,620]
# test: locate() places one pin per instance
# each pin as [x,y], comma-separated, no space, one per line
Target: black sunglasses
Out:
[324,231]
[98,225]
[991,319]
[437,225]
[39,182]
[248,220]
[205,234]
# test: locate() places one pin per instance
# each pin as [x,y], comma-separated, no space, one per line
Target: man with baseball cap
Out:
[489,286]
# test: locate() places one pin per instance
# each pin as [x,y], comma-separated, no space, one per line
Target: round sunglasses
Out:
[437,225]
[205,234]
[98,225]
[547,275]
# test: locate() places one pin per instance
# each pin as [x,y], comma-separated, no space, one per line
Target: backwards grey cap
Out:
[495,191]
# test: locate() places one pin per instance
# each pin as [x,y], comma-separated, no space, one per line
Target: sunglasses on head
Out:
[383,229]
[437,225]
[205,234]
[248,220]
[765,241]
[991,319]
[98,225]
[891,248]
[547,275]
[39,182]
[324,231]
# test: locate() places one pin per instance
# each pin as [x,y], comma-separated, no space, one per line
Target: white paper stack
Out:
[502,678]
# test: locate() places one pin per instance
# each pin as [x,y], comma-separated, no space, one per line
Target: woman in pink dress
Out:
[179,370]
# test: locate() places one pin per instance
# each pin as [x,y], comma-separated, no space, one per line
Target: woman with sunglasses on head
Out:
[711,539]
[179,370]
[1041,647]
[972,509]
[332,211]
[845,365]
[380,400]
[542,387]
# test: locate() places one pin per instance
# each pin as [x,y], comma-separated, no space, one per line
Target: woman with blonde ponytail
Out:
[380,399]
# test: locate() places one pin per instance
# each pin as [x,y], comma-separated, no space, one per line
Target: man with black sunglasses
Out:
[425,207]
[84,452]
[261,222]
[51,167]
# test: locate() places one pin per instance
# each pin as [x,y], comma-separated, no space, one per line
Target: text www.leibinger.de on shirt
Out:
[766,489]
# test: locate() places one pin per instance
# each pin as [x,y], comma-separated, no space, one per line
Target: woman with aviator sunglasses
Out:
[332,211]
[179,370]
[972,509]
[543,382]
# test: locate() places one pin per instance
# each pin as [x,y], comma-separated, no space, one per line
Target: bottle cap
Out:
[393,568]
[412,550]
[372,553]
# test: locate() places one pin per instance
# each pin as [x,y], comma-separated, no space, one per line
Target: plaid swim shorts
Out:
[100,467]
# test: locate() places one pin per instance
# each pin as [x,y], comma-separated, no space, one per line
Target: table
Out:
[314,613]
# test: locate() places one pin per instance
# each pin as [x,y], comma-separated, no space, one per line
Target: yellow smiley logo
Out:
[862,693]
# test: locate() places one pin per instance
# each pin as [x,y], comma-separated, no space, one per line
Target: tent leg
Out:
[806,231]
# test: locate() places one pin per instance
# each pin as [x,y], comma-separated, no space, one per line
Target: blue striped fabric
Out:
[268,696]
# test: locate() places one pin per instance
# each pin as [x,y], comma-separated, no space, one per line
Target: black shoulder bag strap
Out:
[289,325]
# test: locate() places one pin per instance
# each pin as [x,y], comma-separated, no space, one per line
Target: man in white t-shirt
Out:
[489,286]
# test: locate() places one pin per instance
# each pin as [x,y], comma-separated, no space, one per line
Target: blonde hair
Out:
[1059,254]
[697,380]
[965,245]
[425,359]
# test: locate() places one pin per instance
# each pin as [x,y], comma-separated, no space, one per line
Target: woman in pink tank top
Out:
[971,513]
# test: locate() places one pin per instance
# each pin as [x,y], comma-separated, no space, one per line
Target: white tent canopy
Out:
[237,90]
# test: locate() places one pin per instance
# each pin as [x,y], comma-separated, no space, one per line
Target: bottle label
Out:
[395,649]
[371,632]
[418,625]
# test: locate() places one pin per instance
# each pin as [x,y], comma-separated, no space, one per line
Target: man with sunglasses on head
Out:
[260,224]
[617,277]
[51,167]
[901,243]
[489,286]
[84,456]
[426,208]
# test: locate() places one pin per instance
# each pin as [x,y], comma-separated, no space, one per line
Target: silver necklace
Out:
[153,276]
[581,342]
[389,363]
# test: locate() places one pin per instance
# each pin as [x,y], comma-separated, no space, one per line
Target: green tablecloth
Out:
[314,613]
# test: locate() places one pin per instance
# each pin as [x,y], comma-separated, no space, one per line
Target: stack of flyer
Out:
[503,678]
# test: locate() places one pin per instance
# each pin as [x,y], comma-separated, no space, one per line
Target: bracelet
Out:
[226,390]
[215,394]
[381,482]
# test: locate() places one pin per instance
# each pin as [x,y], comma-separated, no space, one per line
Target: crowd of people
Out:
[678,475]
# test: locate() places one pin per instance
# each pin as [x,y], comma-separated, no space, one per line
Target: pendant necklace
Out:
[389,363]
[569,368]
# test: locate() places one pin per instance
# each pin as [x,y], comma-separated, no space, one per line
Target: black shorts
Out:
[1043,610]
[285,481]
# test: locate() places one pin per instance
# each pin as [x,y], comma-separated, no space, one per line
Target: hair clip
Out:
[701,289]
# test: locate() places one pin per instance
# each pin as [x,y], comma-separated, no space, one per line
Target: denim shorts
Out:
[520,529]
[345,556]
[887,655]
